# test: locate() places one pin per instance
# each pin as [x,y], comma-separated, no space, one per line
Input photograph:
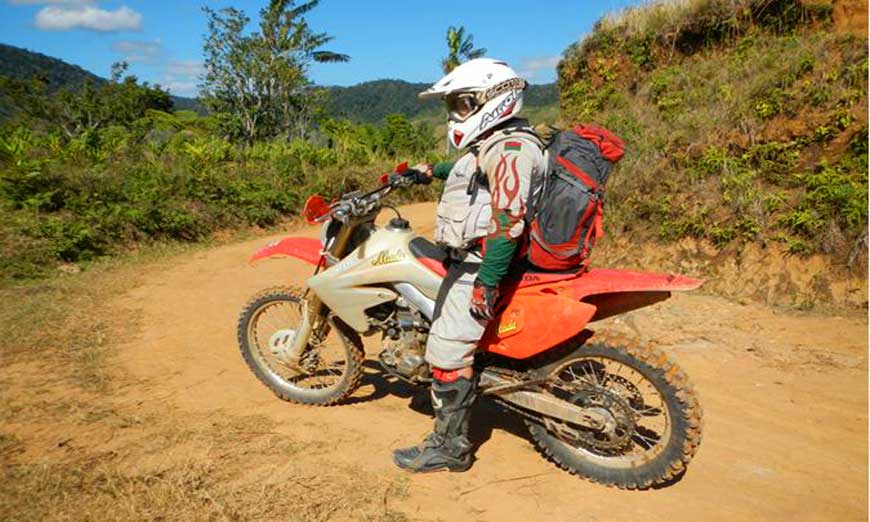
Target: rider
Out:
[480,220]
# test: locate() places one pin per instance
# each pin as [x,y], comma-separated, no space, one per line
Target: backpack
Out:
[567,201]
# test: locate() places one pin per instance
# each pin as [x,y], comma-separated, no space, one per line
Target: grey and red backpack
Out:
[567,201]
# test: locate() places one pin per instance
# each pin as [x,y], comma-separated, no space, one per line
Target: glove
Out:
[422,173]
[483,301]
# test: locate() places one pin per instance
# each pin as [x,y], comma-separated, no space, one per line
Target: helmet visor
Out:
[461,105]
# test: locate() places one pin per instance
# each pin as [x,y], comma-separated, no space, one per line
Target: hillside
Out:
[367,102]
[24,64]
[747,140]
[370,102]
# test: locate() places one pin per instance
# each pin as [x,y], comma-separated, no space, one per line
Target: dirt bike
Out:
[606,409]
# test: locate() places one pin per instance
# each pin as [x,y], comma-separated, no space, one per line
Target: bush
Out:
[744,121]
[167,178]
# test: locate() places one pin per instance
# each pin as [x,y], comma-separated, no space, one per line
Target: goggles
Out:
[461,105]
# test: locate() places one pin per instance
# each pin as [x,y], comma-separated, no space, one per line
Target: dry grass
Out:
[228,470]
[656,16]
[72,448]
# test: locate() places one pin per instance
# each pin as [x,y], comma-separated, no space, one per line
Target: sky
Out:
[400,39]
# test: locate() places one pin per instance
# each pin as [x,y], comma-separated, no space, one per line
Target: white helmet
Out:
[480,94]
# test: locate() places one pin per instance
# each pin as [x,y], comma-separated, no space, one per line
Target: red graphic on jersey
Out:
[503,223]
[507,183]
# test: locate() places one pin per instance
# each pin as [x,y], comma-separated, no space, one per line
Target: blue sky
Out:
[385,38]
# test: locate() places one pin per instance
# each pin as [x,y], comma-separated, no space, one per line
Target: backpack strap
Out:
[525,133]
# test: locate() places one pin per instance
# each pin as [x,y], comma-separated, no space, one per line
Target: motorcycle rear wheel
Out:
[639,456]
[323,383]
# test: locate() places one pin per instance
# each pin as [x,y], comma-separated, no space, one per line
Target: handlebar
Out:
[355,204]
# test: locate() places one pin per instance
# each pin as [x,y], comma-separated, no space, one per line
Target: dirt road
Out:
[784,395]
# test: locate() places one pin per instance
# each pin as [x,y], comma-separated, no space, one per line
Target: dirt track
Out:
[784,394]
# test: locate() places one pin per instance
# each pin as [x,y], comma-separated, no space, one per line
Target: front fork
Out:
[312,314]
[291,354]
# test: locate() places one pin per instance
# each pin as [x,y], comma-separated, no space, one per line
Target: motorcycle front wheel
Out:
[654,426]
[330,366]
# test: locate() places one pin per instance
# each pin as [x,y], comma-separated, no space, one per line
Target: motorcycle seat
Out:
[429,254]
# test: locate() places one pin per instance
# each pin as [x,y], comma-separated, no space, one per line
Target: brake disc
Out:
[632,394]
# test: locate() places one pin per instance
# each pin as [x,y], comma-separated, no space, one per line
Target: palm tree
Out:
[459,46]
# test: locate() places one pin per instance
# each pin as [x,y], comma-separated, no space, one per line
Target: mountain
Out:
[22,64]
[369,102]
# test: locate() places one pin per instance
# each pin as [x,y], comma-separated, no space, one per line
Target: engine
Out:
[404,342]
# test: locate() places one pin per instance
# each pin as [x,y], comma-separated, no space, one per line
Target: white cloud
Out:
[145,52]
[188,88]
[87,16]
[182,77]
[531,68]
[183,68]
[33,2]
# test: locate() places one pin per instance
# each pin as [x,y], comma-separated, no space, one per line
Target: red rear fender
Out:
[547,309]
[606,281]
[615,292]
[304,248]
[535,321]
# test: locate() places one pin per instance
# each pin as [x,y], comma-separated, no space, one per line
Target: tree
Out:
[459,46]
[258,82]
[90,107]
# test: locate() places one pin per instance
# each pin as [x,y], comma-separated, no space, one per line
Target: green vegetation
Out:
[744,122]
[96,169]
[21,64]
[256,82]
[169,177]
[371,102]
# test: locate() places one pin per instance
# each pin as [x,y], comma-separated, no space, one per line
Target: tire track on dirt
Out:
[785,428]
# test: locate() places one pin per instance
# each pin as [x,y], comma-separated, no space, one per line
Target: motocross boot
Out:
[447,447]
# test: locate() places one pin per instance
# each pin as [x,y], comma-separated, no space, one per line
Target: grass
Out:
[58,401]
[230,471]
[754,135]
[99,194]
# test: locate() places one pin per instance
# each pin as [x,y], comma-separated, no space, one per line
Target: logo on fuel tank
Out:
[386,257]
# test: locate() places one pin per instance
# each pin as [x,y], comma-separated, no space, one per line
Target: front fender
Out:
[305,248]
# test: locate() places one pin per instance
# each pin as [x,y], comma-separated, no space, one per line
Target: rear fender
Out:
[304,248]
[615,292]
[540,315]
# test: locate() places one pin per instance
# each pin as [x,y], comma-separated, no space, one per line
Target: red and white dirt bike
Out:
[606,409]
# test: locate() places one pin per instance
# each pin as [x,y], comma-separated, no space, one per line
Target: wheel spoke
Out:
[626,395]
[328,368]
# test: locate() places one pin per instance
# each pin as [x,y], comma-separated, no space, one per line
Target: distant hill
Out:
[23,64]
[369,102]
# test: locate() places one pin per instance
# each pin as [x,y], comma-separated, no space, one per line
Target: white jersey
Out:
[508,159]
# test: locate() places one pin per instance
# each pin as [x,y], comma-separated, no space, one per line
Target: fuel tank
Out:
[359,281]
